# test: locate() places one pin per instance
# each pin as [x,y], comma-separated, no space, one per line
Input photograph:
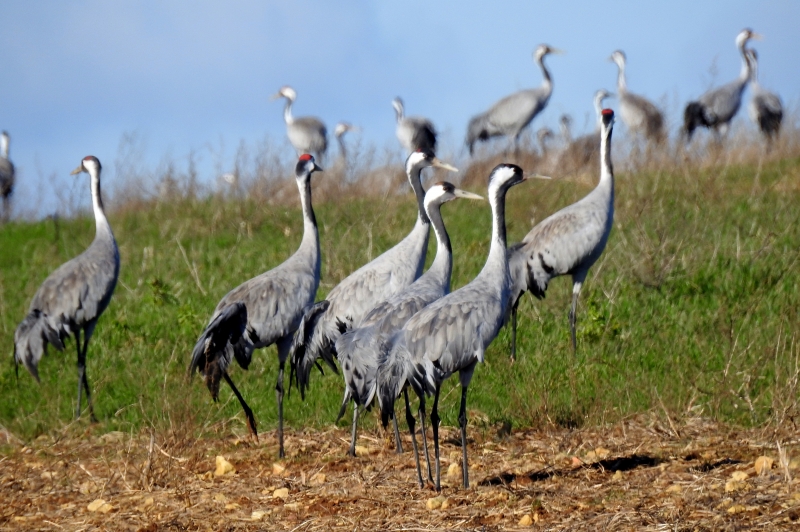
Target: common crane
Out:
[512,114]
[413,132]
[581,151]
[6,176]
[339,132]
[72,298]
[568,242]
[263,311]
[451,334]
[639,114]
[716,108]
[306,133]
[765,108]
[358,349]
[368,286]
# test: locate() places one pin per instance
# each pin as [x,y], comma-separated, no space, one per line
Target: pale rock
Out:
[435,503]
[763,465]
[99,505]
[736,509]
[281,493]
[361,450]
[526,520]
[454,470]
[447,503]
[278,469]
[220,497]
[317,479]
[739,475]
[292,506]
[232,506]
[617,476]
[735,485]
[675,488]
[258,515]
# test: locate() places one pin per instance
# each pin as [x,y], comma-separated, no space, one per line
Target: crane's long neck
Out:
[443,262]
[310,229]
[606,183]
[622,84]
[498,259]
[342,148]
[547,83]
[102,226]
[745,73]
[287,112]
[415,178]
[4,146]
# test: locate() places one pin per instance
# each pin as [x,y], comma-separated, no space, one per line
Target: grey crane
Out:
[263,311]
[716,108]
[339,132]
[306,133]
[765,108]
[451,334]
[579,152]
[368,286]
[72,298]
[639,114]
[6,176]
[413,132]
[512,114]
[358,349]
[568,242]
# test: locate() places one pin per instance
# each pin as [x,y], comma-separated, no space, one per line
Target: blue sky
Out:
[196,76]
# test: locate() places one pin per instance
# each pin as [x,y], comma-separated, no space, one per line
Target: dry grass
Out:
[644,473]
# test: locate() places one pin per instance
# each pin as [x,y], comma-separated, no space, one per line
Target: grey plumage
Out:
[765,108]
[368,286]
[638,113]
[414,132]
[568,242]
[306,133]
[716,108]
[6,176]
[72,298]
[358,349]
[265,310]
[451,334]
[509,116]
[339,132]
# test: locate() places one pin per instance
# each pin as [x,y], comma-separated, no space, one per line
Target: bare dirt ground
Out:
[645,473]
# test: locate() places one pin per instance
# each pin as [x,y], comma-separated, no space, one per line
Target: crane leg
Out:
[279,395]
[397,435]
[462,421]
[81,371]
[576,291]
[352,451]
[411,424]
[424,435]
[251,421]
[435,419]
[514,333]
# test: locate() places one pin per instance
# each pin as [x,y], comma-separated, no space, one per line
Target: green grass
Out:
[692,309]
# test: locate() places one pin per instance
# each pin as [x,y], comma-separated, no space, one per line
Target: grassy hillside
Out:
[692,309]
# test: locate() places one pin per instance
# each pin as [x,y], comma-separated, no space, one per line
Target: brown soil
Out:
[640,474]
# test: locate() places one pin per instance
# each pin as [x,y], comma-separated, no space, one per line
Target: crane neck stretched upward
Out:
[310,230]
[547,84]
[606,167]
[622,84]
[4,146]
[444,253]
[415,178]
[102,226]
[287,112]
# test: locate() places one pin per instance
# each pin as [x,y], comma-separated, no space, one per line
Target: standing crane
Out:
[6,176]
[568,242]
[639,114]
[716,108]
[414,132]
[362,290]
[451,334]
[72,298]
[512,114]
[358,349]
[341,129]
[306,133]
[263,311]
[765,109]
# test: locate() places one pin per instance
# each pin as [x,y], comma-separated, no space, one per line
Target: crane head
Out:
[342,128]
[607,117]
[618,57]
[425,158]
[443,191]
[285,92]
[744,36]
[90,164]
[306,165]
[504,176]
[544,49]
[397,103]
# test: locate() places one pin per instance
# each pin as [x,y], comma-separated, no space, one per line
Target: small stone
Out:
[317,479]
[281,493]
[576,462]
[223,467]
[454,470]
[361,450]
[148,501]
[617,476]
[526,520]
[220,497]
[739,475]
[736,509]
[763,465]
[536,517]
[601,452]
[434,503]
[278,469]
[99,505]
[447,503]
[232,506]
[257,515]
[292,507]
[675,488]
[735,485]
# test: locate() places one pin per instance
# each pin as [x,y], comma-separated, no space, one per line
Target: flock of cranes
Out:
[389,326]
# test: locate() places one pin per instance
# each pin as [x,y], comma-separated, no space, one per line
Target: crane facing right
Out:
[568,242]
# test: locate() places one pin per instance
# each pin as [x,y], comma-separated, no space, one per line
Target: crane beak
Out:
[77,171]
[439,164]
[535,176]
[756,36]
[275,96]
[557,51]
[318,168]
[467,195]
